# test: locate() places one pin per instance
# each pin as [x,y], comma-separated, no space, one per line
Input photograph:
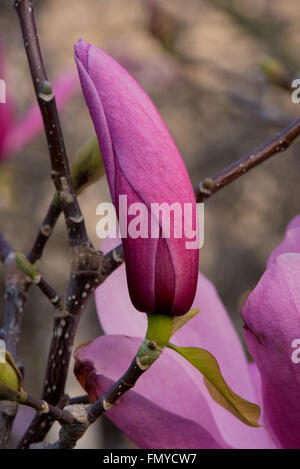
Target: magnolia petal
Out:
[165,408]
[256,380]
[116,313]
[294,223]
[290,243]
[272,323]
[150,426]
[7,110]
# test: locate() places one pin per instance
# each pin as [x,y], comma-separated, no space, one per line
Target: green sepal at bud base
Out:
[159,328]
[157,337]
[180,321]
[10,381]
[31,270]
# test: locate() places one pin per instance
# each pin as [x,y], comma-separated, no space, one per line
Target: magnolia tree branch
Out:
[275,145]
[16,288]
[86,263]
[60,415]
[124,384]
[46,100]
[70,433]
[45,231]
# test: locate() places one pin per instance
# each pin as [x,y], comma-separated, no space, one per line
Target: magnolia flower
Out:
[170,407]
[143,164]
[15,133]
[272,330]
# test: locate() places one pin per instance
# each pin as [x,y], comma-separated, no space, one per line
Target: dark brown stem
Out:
[55,299]
[112,260]
[45,231]
[70,433]
[60,415]
[277,144]
[46,100]
[124,384]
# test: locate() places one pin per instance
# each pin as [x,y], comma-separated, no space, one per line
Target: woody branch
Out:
[87,264]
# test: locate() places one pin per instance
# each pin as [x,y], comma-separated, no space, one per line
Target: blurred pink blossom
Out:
[17,132]
[272,326]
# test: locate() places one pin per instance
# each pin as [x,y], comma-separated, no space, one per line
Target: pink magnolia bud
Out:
[143,164]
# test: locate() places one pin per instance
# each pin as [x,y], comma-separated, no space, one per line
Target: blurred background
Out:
[219,72]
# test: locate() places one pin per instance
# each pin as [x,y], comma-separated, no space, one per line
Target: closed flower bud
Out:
[10,378]
[143,164]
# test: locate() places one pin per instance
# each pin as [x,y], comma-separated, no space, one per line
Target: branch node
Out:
[106,405]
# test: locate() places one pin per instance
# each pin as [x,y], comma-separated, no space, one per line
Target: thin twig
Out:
[55,299]
[112,260]
[70,434]
[124,384]
[45,231]
[277,144]
[60,415]
[147,354]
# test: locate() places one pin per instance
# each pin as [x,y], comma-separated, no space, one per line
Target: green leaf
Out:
[219,390]
[180,321]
